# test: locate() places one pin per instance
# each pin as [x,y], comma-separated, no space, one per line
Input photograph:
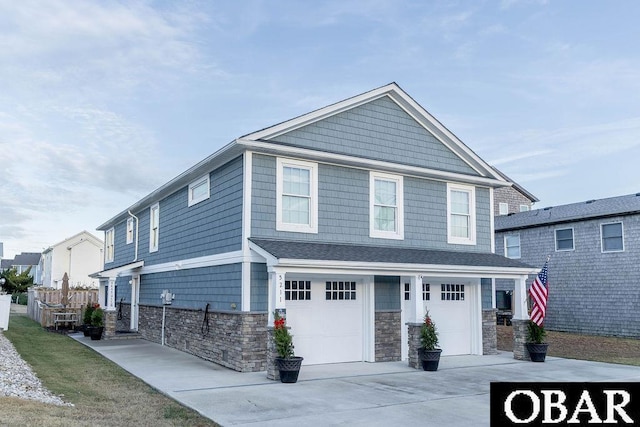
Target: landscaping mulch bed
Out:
[585,347]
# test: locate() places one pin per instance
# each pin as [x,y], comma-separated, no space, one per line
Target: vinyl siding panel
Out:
[259,287]
[387,292]
[379,130]
[343,212]
[210,227]
[219,286]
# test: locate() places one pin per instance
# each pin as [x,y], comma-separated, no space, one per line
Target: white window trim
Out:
[471,240]
[313,208]
[602,236]
[129,230]
[505,206]
[573,239]
[202,180]
[153,248]
[506,253]
[109,255]
[378,234]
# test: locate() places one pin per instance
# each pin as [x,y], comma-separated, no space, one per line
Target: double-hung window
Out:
[109,242]
[154,227]
[297,196]
[129,230]
[461,214]
[564,239]
[386,206]
[612,237]
[198,190]
[503,208]
[512,246]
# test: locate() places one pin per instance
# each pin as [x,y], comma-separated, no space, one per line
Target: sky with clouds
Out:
[101,102]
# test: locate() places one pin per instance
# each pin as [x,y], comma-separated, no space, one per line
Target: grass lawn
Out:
[103,393]
[585,347]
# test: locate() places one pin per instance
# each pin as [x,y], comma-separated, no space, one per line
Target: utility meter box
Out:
[167,297]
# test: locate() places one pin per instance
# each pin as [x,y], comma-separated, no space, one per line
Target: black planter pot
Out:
[537,352]
[288,368]
[86,330]
[96,332]
[430,359]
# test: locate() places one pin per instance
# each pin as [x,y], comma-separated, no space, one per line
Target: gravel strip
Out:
[18,380]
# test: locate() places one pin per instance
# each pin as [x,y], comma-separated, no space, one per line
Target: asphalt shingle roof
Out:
[27,258]
[612,206]
[360,253]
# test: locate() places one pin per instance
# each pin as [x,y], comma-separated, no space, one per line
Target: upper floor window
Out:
[512,246]
[297,196]
[525,208]
[199,190]
[129,230]
[461,214]
[503,208]
[386,206]
[109,242]
[154,227]
[612,240]
[564,239]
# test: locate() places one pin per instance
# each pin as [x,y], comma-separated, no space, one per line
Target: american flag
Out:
[539,294]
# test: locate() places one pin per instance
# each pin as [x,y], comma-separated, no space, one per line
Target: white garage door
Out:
[326,320]
[450,308]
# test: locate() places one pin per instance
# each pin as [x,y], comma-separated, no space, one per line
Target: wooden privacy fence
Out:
[43,303]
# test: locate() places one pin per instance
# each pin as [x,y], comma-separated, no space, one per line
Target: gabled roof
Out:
[27,258]
[259,142]
[86,236]
[591,209]
[520,189]
[377,255]
[6,263]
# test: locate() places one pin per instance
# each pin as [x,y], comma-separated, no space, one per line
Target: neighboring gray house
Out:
[513,199]
[593,271]
[354,218]
[25,261]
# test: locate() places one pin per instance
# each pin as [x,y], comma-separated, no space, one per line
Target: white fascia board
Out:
[346,267]
[367,164]
[117,271]
[270,259]
[226,258]
[314,116]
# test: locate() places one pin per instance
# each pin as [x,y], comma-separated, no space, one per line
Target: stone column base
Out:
[414,345]
[109,324]
[520,339]
[272,372]
[489,332]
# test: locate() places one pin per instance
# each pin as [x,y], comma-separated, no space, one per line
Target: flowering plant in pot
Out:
[287,363]
[428,353]
[97,322]
[86,319]
[536,345]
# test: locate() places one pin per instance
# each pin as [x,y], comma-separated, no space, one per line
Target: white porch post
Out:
[276,292]
[111,295]
[493,293]
[416,298]
[520,299]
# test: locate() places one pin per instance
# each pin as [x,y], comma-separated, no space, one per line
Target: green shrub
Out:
[535,334]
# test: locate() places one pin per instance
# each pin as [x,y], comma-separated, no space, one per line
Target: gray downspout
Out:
[136,246]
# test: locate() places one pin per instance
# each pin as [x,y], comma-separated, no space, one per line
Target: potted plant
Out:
[97,322]
[86,320]
[535,341]
[287,363]
[428,353]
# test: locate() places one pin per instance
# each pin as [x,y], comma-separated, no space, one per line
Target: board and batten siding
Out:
[379,130]
[195,287]
[590,291]
[343,211]
[210,227]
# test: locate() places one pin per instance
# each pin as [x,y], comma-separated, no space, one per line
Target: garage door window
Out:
[451,292]
[426,292]
[340,291]
[295,290]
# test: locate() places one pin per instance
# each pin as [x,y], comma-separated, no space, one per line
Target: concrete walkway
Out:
[354,394]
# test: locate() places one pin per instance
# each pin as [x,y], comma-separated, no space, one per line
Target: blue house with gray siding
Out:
[353,220]
[593,270]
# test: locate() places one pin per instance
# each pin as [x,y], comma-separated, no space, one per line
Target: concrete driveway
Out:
[354,394]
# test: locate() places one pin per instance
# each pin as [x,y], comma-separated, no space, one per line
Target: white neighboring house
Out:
[78,256]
